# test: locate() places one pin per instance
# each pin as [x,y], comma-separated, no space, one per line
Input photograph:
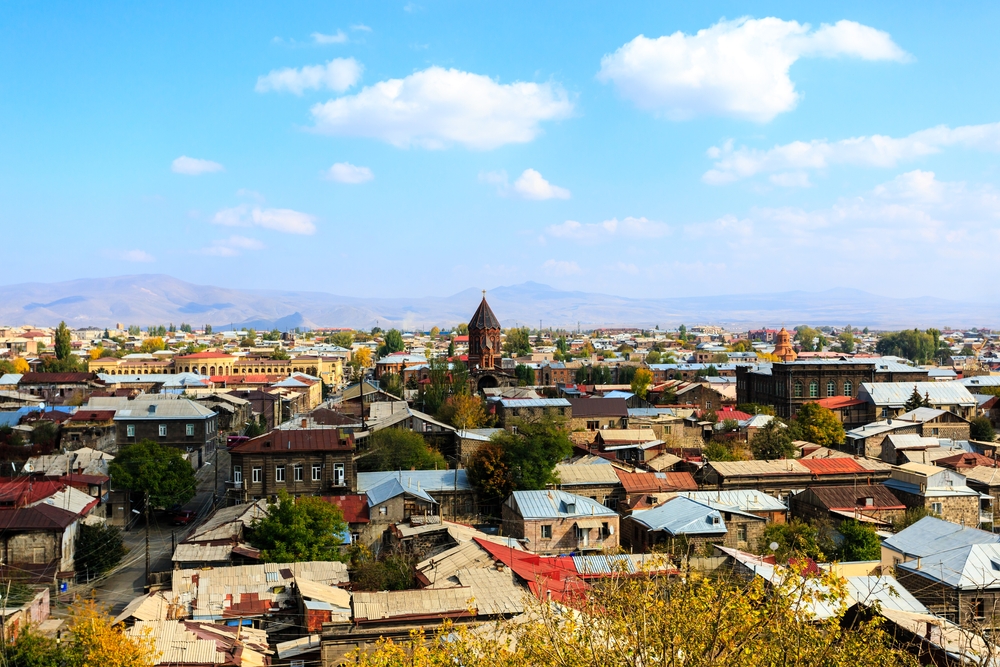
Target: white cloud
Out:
[629,228]
[734,68]
[624,267]
[874,151]
[338,75]
[232,246]
[137,256]
[194,167]
[279,219]
[437,107]
[338,37]
[345,172]
[531,185]
[361,26]
[791,179]
[561,268]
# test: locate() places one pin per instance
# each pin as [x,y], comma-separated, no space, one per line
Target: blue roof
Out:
[619,394]
[973,566]
[682,516]
[392,488]
[557,505]
[428,480]
[9,418]
[932,535]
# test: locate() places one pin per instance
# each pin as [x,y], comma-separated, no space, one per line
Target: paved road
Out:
[127,581]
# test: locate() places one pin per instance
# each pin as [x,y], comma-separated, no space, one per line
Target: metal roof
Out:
[422,602]
[429,480]
[158,408]
[885,590]
[571,473]
[931,535]
[748,500]
[758,468]
[554,504]
[682,516]
[535,403]
[977,381]
[896,394]
[392,488]
[973,566]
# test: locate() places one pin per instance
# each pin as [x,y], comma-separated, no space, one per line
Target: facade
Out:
[484,355]
[94,429]
[597,481]
[593,414]
[683,525]
[871,503]
[172,422]
[532,409]
[788,385]
[888,400]
[940,491]
[956,585]
[302,462]
[554,522]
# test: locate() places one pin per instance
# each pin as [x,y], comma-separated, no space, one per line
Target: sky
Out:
[419,148]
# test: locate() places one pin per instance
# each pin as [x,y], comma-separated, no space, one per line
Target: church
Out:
[485,365]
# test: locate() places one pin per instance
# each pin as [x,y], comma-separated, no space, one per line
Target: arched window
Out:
[831,388]
[798,389]
[814,389]
[848,388]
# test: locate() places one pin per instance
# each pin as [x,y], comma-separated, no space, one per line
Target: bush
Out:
[396,449]
[981,428]
[99,548]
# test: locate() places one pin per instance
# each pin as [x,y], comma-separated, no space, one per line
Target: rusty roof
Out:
[833,466]
[297,440]
[656,482]
[849,497]
[599,407]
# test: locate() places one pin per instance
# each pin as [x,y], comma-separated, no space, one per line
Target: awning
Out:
[590,523]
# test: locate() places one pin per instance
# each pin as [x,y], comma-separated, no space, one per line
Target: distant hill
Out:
[159,299]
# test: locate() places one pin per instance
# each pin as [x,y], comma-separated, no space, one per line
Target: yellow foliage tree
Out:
[21,366]
[640,382]
[98,642]
[96,352]
[362,356]
[466,411]
[154,344]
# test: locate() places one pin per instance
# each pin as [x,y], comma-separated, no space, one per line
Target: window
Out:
[978,608]
[297,472]
[936,508]
[814,389]
[831,388]
[593,425]
[163,430]
[130,430]
[934,431]
[279,473]
[848,388]
[258,474]
[317,471]
[797,392]
[189,430]
[383,510]
[237,474]
[666,430]
[708,405]
[546,532]
[338,474]
[741,533]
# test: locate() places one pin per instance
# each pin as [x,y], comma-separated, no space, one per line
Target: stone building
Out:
[956,585]
[554,522]
[90,428]
[941,491]
[683,525]
[485,369]
[169,421]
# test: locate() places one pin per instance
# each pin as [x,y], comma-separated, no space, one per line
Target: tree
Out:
[99,548]
[716,450]
[451,347]
[910,517]
[772,442]
[299,529]
[392,572]
[641,381]
[861,542]
[911,344]
[392,383]
[147,467]
[362,356]
[154,344]
[21,365]
[391,343]
[626,373]
[817,424]
[208,329]
[708,371]
[250,339]
[396,449]
[846,340]
[562,345]
[682,333]
[742,345]
[982,429]
[97,640]
[463,411]
[435,332]
[70,364]
[64,345]
[518,342]
[756,409]
[525,375]
[521,460]
[795,539]
[343,339]
[593,375]
[45,433]
[914,401]
[279,354]
[806,335]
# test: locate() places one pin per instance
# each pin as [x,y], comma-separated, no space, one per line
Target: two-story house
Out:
[170,421]
[554,522]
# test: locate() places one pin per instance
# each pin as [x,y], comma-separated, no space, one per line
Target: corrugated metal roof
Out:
[178,408]
[391,488]
[175,644]
[931,535]
[555,504]
[757,468]
[429,480]
[896,394]
[570,474]
[535,403]
[974,566]
[748,500]
[493,592]
[423,602]
[867,590]
[833,466]
[977,381]
[202,553]
[682,516]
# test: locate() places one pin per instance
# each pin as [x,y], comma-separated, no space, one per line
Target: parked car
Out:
[183,517]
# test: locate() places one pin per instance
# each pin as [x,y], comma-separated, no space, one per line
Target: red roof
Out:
[354,506]
[93,416]
[833,466]
[206,355]
[37,517]
[546,577]
[728,413]
[296,440]
[25,490]
[966,460]
[839,402]
[81,478]
[57,378]
[656,482]
[461,339]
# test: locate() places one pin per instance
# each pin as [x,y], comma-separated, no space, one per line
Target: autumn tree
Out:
[149,468]
[463,411]
[817,424]
[641,381]
[362,356]
[772,442]
[154,344]
[435,332]
[397,449]
[299,529]
[518,342]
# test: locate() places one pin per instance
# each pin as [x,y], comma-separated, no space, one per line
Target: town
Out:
[293,497]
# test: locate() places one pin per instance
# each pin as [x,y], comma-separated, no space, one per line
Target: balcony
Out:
[985,517]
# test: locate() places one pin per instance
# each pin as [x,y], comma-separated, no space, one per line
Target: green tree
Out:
[299,529]
[279,354]
[99,548]
[451,347]
[861,542]
[806,337]
[147,467]
[742,345]
[527,458]
[846,340]
[910,517]
[45,433]
[517,342]
[708,371]
[795,539]
[911,344]
[772,442]
[981,429]
[641,381]
[562,345]
[817,424]
[397,449]
[392,383]
[343,339]
[756,409]
[525,375]
[626,373]
[392,572]
[914,401]
[64,344]
[682,333]
[392,342]
[716,450]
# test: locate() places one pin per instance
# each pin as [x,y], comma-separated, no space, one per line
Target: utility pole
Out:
[147,540]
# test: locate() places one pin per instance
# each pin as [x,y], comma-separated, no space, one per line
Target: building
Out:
[648,489]
[684,525]
[449,491]
[171,422]
[597,481]
[929,536]
[485,368]
[871,503]
[94,429]
[783,346]
[788,385]
[959,584]
[594,414]
[554,521]
[300,461]
[941,491]
[532,409]
[888,399]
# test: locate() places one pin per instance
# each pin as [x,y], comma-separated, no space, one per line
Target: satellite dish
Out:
[41,406]
[773,546]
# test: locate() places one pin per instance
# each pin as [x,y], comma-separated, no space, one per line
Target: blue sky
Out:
[421,148]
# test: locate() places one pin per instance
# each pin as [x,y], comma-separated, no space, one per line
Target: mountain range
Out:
[160,299]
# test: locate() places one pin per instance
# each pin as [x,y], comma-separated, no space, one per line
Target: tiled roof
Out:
[484,318]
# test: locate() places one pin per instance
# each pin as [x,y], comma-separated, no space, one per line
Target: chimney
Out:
[305,422]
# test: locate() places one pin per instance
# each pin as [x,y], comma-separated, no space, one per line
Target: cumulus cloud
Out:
[278,219]
[336,38]
[628,228]
[791,179]
[194,167]
[558,267]
[874,151]
[531,185]
[137,256]
[338,75]
[734,68]
[437,107]
[345,172]
[231,247]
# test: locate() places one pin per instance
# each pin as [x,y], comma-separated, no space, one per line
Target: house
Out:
[941,491]
[191,643]
[898,447]
[354,507]
[928,536]
[447,493]
[745,500]
[468,441]
[782,477]
[594,414]
[170,421]
[59,388]
[301,461]
[94,429]
[851,412]
[870,503]
[647,489]
[558,522]
[888,399]
[960,584]
[233,412]
[635,446]
[684,525]
[597,480]
[532,409]
[221,540]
